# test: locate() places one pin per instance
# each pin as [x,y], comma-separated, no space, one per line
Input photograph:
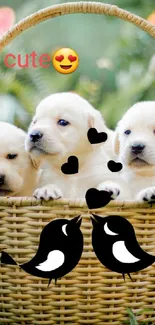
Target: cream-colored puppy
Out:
[59,130]
[135,147]
[17,175]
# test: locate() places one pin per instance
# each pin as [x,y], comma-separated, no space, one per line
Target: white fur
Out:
[20,174]
[139,174]
[58,143]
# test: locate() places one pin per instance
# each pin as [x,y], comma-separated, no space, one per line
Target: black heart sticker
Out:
[96,137]
[114,166]
[97,199]
[70,167]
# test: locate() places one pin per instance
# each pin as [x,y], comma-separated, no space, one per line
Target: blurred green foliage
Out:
[114,70]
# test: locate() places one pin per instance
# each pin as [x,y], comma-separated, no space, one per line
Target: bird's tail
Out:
[7,259]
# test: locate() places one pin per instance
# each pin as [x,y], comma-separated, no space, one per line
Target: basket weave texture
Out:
[90,294]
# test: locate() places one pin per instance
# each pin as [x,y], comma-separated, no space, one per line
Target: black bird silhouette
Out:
[115,245]
[59,251]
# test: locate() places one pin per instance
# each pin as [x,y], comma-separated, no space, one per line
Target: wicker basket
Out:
[90,294]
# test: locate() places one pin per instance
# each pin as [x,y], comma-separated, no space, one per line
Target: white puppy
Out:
[59,130]
[18,176]
[135,147]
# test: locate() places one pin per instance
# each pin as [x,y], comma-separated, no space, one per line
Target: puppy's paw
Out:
[148,194]
[48,192]
[110,187]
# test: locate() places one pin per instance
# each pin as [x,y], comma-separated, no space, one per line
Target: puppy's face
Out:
[13,159]
[60,126]
[135,139]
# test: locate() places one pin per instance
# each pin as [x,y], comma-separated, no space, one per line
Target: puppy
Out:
[135,147]
[18,176]
[59,130]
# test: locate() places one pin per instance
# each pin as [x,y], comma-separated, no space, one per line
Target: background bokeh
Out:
[117,62]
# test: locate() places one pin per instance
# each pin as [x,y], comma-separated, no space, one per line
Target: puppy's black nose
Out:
[137,148]
[2,178]
[36,136]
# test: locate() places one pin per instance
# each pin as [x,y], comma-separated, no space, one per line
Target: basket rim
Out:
[75,7]
[71,203]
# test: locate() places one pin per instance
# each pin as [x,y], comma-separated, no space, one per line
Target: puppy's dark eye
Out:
[127,132]
[11,156]
[63,122]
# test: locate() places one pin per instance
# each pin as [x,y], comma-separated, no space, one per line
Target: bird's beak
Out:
[77,220]
[96,219]
[94,222]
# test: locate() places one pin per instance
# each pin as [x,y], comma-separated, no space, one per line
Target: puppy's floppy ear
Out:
[91,121]
[116,143]
[35,162]
[96,121]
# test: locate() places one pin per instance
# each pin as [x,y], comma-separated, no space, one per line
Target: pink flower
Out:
[151,18]
[7,19]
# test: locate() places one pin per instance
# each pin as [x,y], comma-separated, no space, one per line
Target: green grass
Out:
[132,317]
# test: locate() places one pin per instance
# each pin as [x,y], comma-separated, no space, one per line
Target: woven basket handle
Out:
[75,7]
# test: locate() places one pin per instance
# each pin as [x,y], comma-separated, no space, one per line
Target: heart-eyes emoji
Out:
[65,60]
